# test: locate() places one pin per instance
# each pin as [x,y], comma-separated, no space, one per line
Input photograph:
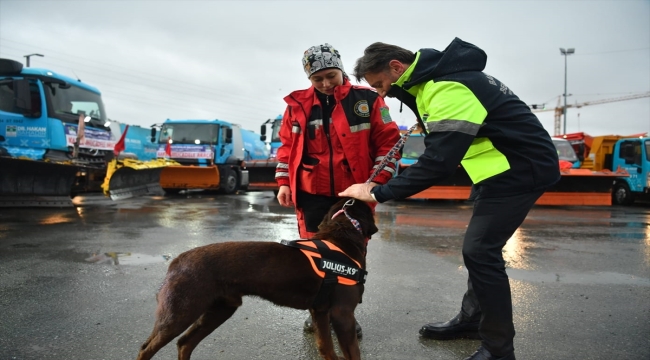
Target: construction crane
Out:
[559,109]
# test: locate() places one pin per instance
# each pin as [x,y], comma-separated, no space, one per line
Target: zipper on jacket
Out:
[326,128]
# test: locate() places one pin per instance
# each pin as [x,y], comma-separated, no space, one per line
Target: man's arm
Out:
[453,115]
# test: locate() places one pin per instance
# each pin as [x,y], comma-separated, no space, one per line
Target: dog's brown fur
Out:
[204,287]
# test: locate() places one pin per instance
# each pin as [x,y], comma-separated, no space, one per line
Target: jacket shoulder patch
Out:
[361,108]
[385,114]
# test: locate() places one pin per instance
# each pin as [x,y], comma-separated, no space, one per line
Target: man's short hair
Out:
[376,57]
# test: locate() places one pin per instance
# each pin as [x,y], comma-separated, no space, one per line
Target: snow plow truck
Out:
[577,186]
[56,141]
[211,155]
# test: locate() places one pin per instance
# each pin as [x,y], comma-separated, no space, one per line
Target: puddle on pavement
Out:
[126,258]
[24,246]
[597,278]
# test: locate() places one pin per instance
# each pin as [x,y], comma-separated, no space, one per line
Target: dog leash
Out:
[392,152]
[389,156]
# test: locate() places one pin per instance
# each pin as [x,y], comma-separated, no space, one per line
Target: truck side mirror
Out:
[153,135]
[263,132]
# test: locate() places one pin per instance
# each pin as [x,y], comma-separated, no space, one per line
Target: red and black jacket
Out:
[363,129]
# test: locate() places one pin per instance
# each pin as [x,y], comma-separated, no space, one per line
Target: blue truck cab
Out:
[633,156]
[212,154]
[39,116]
[207,142]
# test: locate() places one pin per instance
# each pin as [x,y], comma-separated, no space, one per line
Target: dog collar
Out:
[354,222]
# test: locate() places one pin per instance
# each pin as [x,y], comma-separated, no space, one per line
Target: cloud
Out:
[236,60]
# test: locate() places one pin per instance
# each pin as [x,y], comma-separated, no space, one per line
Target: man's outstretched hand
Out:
[360,192]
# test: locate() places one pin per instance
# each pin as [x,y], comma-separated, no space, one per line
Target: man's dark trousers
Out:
[494,221]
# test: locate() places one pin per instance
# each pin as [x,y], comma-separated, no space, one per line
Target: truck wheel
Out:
[230,185]
[622,194]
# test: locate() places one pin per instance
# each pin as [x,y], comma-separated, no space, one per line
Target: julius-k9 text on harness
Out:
[330,263]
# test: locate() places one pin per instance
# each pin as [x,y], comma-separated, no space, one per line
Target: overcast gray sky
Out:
[236,60]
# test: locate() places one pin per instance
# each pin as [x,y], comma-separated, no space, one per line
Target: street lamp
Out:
[566,53]
[30,55]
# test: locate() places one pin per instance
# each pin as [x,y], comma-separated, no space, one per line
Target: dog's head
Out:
[344,227]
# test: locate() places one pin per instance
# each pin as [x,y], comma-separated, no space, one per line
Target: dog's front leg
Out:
[323,334]
[343,322]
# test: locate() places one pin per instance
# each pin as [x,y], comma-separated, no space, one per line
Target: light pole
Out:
[566,53]
[30,55]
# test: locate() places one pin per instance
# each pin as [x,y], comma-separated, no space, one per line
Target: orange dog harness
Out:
[333,266]
[328,261]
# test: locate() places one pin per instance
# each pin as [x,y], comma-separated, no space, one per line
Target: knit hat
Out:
[321,57]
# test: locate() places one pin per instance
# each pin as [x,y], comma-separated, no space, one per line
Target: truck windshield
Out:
[414,147]
[67,103]
[190,133]
[647,150]
[565,150]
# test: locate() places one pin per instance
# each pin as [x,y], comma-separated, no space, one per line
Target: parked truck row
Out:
[601,170]
[211,154]
[628,154]
[56,141]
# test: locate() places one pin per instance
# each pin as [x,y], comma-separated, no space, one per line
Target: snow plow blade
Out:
[30,183]
[175,178]
[576,187]
[129,178]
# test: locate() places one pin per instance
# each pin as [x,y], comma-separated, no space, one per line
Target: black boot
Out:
[463,325]
[309,327]
[455,328]
[483,354]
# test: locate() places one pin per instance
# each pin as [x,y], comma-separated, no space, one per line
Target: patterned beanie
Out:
[321,57]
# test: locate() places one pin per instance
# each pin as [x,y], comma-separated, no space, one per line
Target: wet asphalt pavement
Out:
[80,283]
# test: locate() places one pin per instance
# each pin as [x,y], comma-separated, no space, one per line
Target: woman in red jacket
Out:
[333,135]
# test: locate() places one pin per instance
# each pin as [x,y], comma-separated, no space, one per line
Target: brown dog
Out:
[204,286]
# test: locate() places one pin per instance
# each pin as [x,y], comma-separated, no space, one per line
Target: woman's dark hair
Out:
[376,57]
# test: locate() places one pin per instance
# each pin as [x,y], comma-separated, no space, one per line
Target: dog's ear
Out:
[371,230]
